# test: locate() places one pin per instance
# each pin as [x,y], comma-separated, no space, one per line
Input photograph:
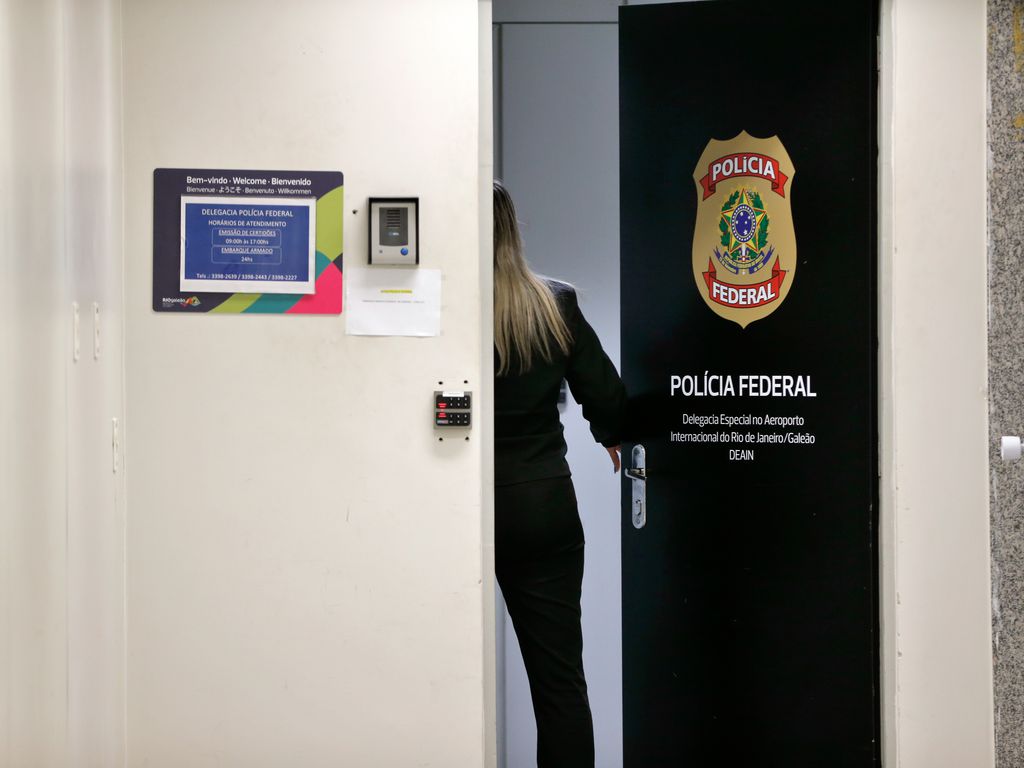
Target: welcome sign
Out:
[247,242]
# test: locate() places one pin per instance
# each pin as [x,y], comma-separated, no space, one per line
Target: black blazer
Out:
[528,442]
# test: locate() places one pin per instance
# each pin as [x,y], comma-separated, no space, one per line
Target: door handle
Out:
[638,476]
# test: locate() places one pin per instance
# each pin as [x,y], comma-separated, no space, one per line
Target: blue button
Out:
[405,251]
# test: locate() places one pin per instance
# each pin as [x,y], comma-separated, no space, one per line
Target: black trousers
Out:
[538,541]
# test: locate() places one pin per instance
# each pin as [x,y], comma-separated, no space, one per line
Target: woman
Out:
[540,338]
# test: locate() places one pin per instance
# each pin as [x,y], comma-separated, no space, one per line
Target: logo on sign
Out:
[744,245]
[191,301]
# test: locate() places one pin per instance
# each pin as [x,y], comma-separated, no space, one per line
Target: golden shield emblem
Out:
[744,244]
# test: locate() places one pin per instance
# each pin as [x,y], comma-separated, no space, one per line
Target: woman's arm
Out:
[594,382]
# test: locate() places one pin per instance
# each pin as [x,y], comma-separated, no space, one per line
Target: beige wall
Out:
[286,573]
[33,547]
[486,160]
[61,503]
[95,508]
[306,575]
[937,664]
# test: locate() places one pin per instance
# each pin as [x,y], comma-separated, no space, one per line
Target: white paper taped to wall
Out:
[392,302]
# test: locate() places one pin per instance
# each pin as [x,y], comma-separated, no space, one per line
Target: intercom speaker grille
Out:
[392,217]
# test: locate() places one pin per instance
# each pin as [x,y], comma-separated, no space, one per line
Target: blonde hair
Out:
[527,321]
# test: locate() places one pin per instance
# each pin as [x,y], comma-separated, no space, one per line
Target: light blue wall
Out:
[560,161]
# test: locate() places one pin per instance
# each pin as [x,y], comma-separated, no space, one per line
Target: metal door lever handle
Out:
[638,475]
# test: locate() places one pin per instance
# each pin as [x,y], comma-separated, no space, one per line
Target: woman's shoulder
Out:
[563,292]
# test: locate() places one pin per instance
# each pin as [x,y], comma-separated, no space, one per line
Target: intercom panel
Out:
[394,231]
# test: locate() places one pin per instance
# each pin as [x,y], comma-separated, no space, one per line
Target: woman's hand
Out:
[614,452]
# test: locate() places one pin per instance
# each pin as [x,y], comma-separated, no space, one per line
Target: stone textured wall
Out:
[1006,368]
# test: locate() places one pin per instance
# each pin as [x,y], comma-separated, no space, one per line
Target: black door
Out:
[748,155]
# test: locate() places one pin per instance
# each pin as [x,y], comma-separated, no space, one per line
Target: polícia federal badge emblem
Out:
[744,244]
